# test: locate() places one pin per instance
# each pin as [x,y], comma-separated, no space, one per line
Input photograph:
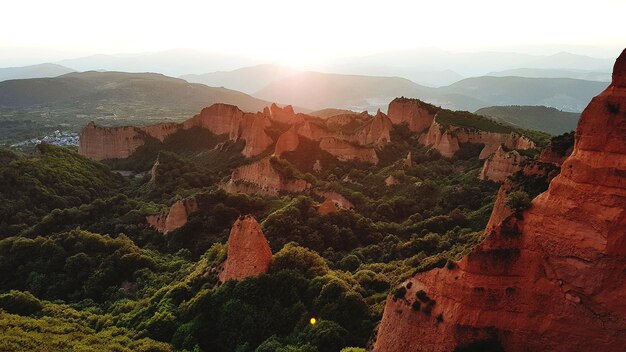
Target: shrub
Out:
[18,302]
[518,200]
[399,293]
[421,294]
[416,305]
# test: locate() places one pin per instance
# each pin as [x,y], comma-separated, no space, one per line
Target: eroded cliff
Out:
[249,253]
[550,278]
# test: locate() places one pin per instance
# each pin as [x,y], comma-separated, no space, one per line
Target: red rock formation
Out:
[252,130]
[441,139]
[447,139]
[415,113]
[314,130]
[317,166]
[376,131]
[249,253]
[408,162]
[287,142]
[336,197]
[327,207]
[345,119]
[100,143]
[217,118]
[552,278]
[175,218]
[161,131]
[285,115]
[501,165]
[391,181]
[344,151]
[262,178]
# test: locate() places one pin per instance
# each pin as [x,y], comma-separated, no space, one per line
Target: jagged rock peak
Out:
[249,253]
[619,71]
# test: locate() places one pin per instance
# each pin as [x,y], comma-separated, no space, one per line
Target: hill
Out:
[316,90]
[34,106]
[174,62]
[540,118]
[246,79]
[562,93]
[33,71]
[554,73]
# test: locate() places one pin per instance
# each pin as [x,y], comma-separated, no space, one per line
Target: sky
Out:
[301,32]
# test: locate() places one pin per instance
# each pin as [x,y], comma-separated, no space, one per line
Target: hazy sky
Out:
[305,31]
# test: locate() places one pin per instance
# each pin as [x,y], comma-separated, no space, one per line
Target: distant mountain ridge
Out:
[33,71]
[92,87]
[317,90]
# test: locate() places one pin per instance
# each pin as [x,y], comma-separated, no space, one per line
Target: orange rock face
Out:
[327,207]
[249,253]
[416,114]
[284,115]
[287,142]
[217,118]
[391,181]
[252,130]
[344,151]
[100,143]
[175,218]
[340,200]
[262,178]
[552,278]
[447,139]
[501,165]
[376,131]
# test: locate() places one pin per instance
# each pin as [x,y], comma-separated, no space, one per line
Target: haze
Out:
[305,34]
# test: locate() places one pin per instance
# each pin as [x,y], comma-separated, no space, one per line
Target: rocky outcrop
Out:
[327,207]
[346,119]
[408,161]
[440,139]
[558,150]
[501,165]
[175,218]
[262,177]
[415,113]
[340,200]
[550,278]
[285,115]
[345,151]
[314,130]
[376,131]
[251,128]
[100,143]
[217,118]
[249,253]
[446,139]
[287,142]
[391,181]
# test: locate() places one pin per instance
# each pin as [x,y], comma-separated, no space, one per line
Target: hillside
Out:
[246,79]
[554,73]
[32,107]
[316,90]
[33,71]
[562,93]
[539,118]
